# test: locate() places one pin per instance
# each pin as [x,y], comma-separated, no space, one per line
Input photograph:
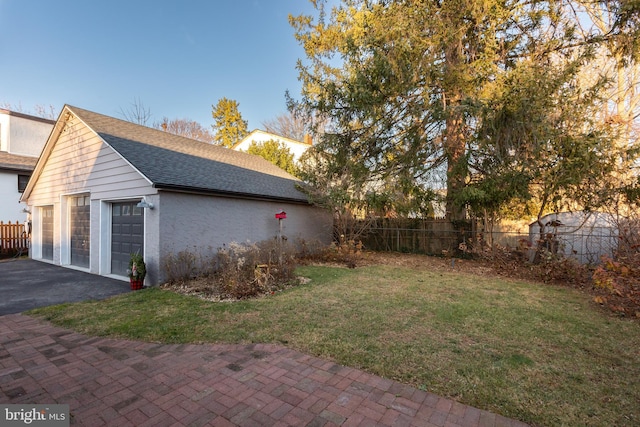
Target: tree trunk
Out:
[454,136]
[456,166]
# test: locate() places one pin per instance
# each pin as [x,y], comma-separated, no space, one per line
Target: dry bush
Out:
[249,269]
[621,280]
[551,268]
[185,265]
[562,270]
[309,250]
[236,271]
[347,252]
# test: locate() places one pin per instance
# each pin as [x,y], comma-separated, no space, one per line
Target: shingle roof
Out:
[17,163]
[177,163]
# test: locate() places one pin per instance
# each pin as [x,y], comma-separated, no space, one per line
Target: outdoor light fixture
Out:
[25,210]
[144,205]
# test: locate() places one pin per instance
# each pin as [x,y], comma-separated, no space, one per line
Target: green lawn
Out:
[544,355]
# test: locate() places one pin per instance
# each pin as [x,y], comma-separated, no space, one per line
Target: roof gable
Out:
[177,163]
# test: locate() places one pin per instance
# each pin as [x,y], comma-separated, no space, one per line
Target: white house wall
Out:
[5,120]
[10,208]
[201,224]
[81,163]
[296,148]
[23,136]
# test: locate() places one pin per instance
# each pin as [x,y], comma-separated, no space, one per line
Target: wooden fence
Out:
[14,238]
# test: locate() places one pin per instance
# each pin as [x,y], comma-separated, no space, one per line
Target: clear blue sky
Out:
[177,57]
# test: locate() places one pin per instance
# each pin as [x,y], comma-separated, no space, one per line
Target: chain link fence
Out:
[438,238]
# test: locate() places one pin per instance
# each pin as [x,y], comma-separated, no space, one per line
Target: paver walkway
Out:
[129,383]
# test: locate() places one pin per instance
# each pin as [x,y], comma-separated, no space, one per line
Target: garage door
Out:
[47,232]
[127,228]
[80,224]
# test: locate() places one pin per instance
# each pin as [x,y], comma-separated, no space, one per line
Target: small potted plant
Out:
[136,271]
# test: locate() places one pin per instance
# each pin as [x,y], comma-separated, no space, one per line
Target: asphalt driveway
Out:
[27,284]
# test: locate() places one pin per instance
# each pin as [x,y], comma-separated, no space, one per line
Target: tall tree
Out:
[229,126]
[417,88]
[621,104]
[187,128]
[275,152]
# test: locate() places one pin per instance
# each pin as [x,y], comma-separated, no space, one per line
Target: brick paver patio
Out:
[129,383]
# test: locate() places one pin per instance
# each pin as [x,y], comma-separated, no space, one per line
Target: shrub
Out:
[621,280]
[309,250]
[550,268]
[347,252]
[185,265]
[618,277]
[235,271]
[137,268]
[245,270]
[562,270]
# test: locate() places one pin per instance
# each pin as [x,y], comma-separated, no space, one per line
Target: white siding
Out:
[205,223]
[81,163]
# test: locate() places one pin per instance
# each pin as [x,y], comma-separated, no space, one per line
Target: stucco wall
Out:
[202,224]
[23,136]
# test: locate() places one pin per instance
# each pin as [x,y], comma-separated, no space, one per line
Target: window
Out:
[22,182]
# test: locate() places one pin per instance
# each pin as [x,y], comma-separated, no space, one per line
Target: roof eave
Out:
[230,194]
[16,168]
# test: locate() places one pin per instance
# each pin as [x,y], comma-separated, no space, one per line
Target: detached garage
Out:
[104,188]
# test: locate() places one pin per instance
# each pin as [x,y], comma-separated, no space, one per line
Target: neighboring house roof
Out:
[26,116]
[177,163]
[17,163]
[296,148]
[254,133]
